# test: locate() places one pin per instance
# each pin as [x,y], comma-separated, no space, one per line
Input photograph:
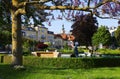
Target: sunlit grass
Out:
[6,72]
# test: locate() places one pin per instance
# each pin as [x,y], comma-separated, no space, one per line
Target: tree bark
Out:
[16,36]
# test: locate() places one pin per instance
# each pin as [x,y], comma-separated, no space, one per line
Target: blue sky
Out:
[56,25]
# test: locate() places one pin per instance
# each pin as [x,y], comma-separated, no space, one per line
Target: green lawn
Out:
[6,72]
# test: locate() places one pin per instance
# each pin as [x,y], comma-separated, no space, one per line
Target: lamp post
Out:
[37,32]
[33,41]
[53,44]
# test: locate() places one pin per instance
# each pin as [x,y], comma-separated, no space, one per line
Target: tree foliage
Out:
[32,12]
[5,18]
[101,36]
[117,35]
[84,28]
[5,38]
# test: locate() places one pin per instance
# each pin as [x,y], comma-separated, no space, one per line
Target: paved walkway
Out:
[65,55]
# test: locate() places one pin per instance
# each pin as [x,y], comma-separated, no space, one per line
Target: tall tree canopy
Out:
[84,28]
[101,36]
[117,35]
[100,8]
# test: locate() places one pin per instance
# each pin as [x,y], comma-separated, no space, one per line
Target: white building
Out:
[112,30]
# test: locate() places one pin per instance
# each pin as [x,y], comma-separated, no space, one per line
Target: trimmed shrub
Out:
[109,51]
[59,62]
[71,62]
[38,62]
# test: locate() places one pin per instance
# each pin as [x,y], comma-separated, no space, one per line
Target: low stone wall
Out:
[50,54]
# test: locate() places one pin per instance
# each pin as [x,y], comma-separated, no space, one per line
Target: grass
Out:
[6,72]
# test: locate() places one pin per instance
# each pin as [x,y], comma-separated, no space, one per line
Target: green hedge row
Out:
[58,62]
[69,51]
[68,62]
[109,51]
[72,62]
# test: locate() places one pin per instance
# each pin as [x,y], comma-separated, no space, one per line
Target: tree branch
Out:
[69,7]
[20,11]
[22,4]
[104,2]
[39,1]
[88,8]
[107,17]
[62,8]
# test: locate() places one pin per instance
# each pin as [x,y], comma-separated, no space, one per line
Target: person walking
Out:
[76,49]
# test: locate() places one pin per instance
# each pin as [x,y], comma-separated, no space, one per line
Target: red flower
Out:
[42,46]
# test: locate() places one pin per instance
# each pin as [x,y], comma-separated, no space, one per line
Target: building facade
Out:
[38,33]
[112,30]
[42,34]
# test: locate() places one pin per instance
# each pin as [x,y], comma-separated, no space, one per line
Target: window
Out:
[42,30]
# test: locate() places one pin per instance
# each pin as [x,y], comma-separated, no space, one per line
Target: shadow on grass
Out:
[7,72]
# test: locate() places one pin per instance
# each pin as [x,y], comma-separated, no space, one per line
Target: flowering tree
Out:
[68,8]
[84,28]
[41,46]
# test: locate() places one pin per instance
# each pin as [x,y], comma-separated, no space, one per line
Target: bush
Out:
[58,62]
[67,62]
[27,45]
[70,51]
[66,51]
[109,51]
[70,62]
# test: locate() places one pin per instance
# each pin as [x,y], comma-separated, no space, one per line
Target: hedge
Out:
[68,62]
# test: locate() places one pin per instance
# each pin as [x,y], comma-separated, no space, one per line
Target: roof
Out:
[65,36]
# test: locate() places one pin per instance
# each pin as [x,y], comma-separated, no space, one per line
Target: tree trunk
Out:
[16,38]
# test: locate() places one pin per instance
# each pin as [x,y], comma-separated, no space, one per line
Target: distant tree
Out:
[101,36]
[114,43]
[5,38]
[84,28]
[117,35]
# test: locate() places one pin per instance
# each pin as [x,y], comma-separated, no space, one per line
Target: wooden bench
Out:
[46,54]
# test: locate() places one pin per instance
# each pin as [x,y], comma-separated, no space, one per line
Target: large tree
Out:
[84,28]
[102,36]
[110,8]
[117,35]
